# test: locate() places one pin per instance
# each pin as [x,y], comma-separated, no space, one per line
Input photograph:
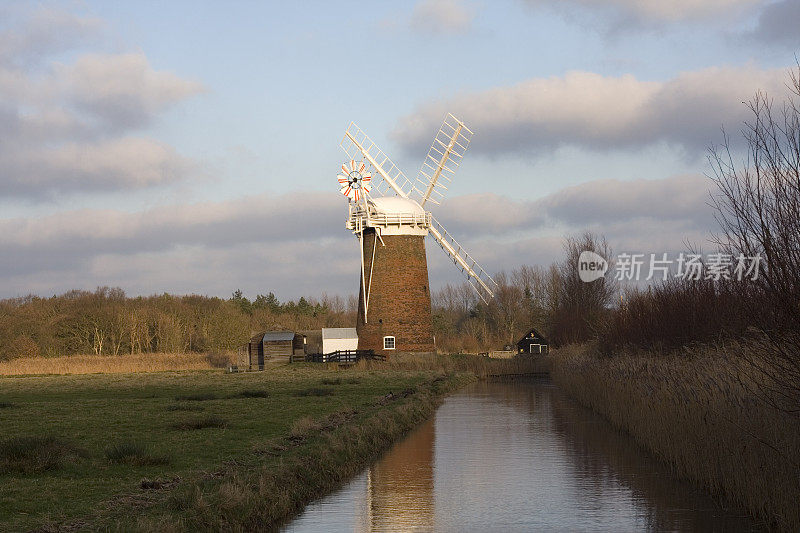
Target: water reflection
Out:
[400,485]
[517,456]
[599,451]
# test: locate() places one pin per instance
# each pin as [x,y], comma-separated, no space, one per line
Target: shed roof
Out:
[339,333]
[278,336]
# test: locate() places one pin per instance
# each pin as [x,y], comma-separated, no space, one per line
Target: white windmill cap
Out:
[394,205]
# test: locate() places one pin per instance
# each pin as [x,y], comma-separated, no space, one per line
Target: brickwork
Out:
[399,300]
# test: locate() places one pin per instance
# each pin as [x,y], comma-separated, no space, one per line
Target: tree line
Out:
[108,322]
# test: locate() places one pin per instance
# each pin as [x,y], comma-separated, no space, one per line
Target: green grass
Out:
[251,393]
[134,453]
[315,391]
[35,455]
[184,407]
[197,397]
[200,423]
[81,461]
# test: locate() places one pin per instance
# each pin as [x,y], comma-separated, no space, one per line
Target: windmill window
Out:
[388,343]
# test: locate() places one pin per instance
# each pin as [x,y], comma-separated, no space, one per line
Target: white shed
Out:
[334,339]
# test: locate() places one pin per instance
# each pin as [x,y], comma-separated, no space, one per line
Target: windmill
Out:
[389,218]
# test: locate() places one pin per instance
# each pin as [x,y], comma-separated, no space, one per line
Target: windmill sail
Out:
[443,159]
[356,145]
[483,284]
[410,218]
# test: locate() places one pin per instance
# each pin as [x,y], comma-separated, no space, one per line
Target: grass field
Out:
[137,451]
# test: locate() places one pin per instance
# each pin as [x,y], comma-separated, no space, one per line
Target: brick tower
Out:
[398,312]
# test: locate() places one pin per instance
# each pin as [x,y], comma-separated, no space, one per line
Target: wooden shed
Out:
[533,343]
[274,346]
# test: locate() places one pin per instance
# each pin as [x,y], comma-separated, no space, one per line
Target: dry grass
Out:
[481,367]
[304,427]
[315,391]
[159,362]
[106,364]
[696,411]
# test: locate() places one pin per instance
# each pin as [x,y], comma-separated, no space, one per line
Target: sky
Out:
[192,147]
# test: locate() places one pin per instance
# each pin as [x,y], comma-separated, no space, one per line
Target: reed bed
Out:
[107,364]
[700,415]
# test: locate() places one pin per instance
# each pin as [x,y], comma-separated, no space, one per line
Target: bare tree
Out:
[533,282]
[505,309]
[581,306]
[757,205]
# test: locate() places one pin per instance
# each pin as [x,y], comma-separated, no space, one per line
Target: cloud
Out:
[75,127]
[30,35]
[124,163]
[679,198]
[487,213]
[260,218]
[599,112]
[288,269]
[259,243]
[123,91]
[597,204]
[778,23]
[494,256]
[655,10]
[441,16]
[648,216]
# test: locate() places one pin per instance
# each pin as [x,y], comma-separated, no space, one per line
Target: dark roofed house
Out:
[273,346]
[532,343]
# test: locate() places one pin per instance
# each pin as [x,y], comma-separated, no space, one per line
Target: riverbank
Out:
[284,474]
[108,451]
[207,450]
[699,415]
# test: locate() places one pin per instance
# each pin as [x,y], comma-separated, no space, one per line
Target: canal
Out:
[517,456]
